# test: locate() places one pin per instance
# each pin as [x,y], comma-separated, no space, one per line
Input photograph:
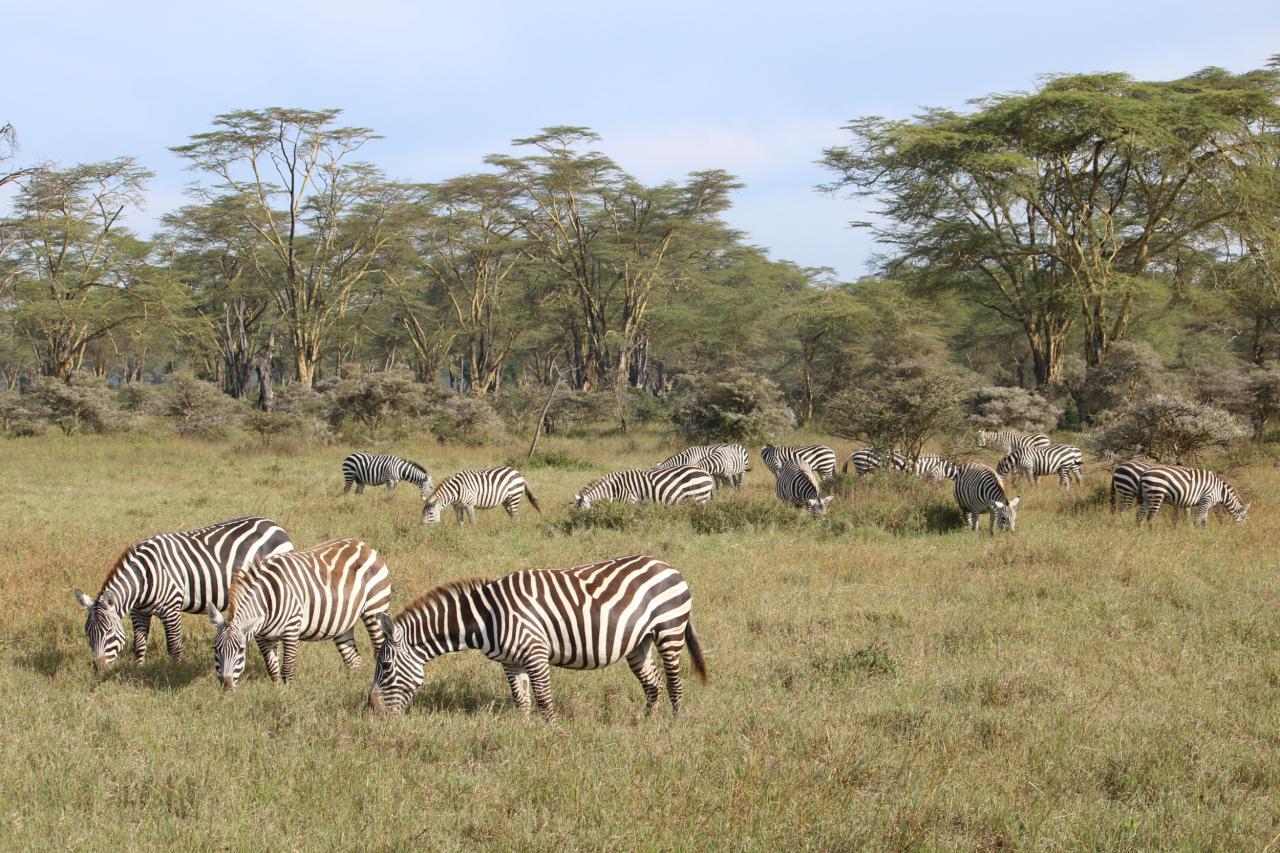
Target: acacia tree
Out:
[322,221]
[608,244]
[1054,202]
[78,275]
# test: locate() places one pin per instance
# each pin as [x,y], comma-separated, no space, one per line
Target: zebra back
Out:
[797,484]
[818,456]
[979,489]
[668,486]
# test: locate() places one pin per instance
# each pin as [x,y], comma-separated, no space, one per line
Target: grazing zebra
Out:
[820,458]
[1036,462]
[1187,487]
[979,489]
[667,486]
[936,468]
[466,491]
[168,575]
[376,469]
[1124,483]
[1011,439]
[797,484]
[724,462]
[316,594]
[868,459]
[529,621]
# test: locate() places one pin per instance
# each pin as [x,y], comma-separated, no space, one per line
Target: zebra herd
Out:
[247,577]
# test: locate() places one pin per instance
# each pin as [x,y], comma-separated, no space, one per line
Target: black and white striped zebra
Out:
[1124,483]
[467,491]
[936,468]
[798,484]
[382,469]
[727,463]
[867,459]
[1012,440]
[667,486]
[979,489]
[1065,460]
[316,594]
[170,574]
[819,457]
[581,618]
[1187,487]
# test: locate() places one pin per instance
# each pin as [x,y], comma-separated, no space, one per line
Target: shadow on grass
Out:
[162,673]
[47,662]
[459,695]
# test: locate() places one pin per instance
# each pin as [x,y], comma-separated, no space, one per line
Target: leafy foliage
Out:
[1168,428]
[998,407]
[732,406]
[468,420]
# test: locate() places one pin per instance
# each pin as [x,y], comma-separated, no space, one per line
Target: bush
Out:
[83,403]
[142,398]
[269,425]
[549,459]
[734,406]
[572,410]
[18,418]
[1129,372]
[1168,428]
[470,421]
[738,513]
[199,407]
[1251,393]
[995,407]
[301,401]
[378,398]
[902,413]
[617,515]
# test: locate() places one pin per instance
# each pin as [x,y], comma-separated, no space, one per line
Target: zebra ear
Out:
[83,600]
[998,505]
[828,499]
[1016,501]
[215,618]
[384,622]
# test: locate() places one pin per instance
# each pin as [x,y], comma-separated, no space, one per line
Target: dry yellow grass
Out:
[1075,685]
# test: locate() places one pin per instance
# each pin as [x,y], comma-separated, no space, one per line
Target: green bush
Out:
[18,418]
[549,459]
[738,513]
[617,515]
[199,407]
[379,398]
[732,406]
[84,403]
[469,421]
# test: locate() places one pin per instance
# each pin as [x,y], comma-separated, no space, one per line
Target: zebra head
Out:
[229,645]
[1006,514]
[984,437]
[398,672]
[103,627]
[582,501]
[431,509]
[1231,500]
[769,455]
[818,506]
[1008,463]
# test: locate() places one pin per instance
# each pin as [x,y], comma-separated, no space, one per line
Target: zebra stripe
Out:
[1187,487]
[1012,440]
[316,594]
[725,462]
[819,457]
[377,469]
[467,491]
[797,484]
[586,617]
[979,489]
[868,459]
[1035,462]
[936,468]
[170,574]
[667,486]
[1124,483]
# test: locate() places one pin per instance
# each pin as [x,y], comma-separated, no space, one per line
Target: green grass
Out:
[879,679]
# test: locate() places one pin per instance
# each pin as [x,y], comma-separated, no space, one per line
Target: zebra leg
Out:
[1202,514]
[141,630]
[471,514]
[172,621]
[669,649]
[359,488]
[374,627]
[518,681]
[1153,504]
[512,506]
[539,670]
[289,655]
[461,512]
[346,489]
[346,643]
[1064,478]
[971,518]
[269,657]
[391,487]
[640,659]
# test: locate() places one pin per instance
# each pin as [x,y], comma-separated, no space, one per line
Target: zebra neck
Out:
[128,587]
[248,623]
[455,624]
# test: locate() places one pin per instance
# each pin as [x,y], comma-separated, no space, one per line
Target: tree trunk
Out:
[266,392]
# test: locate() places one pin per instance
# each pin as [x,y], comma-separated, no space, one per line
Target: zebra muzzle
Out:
[375,701]
[228,684]
[101,663]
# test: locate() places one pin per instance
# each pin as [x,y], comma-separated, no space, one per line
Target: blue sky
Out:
[755,88]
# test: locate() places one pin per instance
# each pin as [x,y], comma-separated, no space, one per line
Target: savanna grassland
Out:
[879,679]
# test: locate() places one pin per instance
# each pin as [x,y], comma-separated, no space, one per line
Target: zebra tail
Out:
[533,502]
[844,469]
[695,651]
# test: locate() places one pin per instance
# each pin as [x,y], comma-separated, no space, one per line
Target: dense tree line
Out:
[1093,235]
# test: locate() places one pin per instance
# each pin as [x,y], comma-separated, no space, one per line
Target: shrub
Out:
[143,398]
[549,459]
[1251,393]
[83,403]
[996,407]
[301,401]
[18,417]
[575,409]
[1168,428]
[199,407]
[903,412]
[377,398]
[733,406]
[617,515]
[1128,373]
[467,420]
[269,425]
[738,513]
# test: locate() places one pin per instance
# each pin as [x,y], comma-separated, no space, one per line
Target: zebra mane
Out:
[118,566]
[442,591]
[415,466]
[240,581]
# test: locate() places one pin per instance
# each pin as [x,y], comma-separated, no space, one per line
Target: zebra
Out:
[821,459]
[1187,487]
[1011,440]
[585,617]
[667,486]
[797,484]
[1035,462]
[1124,483]
[868,459]
[170,574]
[936,468]
[316,594]
[486,488]
[376,469]
[979,489]
[725,462]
